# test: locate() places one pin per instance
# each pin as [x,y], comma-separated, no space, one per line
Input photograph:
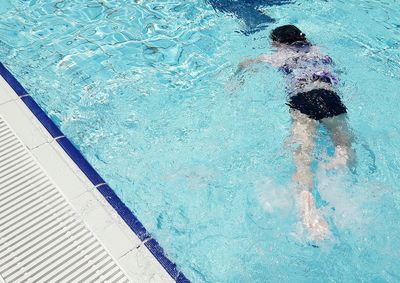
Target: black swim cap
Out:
[287,34]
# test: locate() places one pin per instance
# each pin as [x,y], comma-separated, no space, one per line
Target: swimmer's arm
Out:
[260,59]
[239,74]
[274,60]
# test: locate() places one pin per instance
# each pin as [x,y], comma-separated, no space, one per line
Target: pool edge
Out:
[94,177]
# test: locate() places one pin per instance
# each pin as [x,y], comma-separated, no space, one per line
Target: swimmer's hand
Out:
[244,65]
[234,83]
[237,79]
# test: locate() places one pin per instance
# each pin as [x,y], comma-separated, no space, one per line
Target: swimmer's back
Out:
[305,68]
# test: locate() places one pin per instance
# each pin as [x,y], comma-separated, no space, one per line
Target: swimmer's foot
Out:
[339,160]
[316,225]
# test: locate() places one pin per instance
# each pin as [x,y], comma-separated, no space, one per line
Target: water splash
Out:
[274,198]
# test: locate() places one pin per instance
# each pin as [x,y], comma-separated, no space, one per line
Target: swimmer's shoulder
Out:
[277,58]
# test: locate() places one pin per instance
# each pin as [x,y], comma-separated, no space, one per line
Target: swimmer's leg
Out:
[302,136]
[342,138]
[303,133]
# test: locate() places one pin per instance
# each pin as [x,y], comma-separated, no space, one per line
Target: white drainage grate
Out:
[41,237]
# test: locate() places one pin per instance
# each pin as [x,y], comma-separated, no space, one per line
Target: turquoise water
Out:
[144,89]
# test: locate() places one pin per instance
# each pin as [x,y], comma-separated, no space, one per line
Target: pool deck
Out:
[59,220]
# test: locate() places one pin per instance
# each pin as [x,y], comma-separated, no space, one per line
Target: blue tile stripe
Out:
[52,128]
[82,163]
[108,193]
[125,213]
[16,86]
[158,252]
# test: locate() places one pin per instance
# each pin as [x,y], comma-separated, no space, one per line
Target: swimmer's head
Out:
[287,35]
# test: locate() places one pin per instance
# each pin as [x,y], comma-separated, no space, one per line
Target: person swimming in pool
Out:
[313,100]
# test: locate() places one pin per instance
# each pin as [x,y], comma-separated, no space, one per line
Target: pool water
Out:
[145,90]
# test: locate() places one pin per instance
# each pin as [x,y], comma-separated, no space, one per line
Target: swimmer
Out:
[312,99]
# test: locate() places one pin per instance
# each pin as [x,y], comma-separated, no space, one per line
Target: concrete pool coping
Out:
[138,254]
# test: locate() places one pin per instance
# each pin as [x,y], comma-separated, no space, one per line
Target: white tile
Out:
[71,164]
[141,266]
[59,171]
[6,92]
[24,123]
[116,241]
[92,211]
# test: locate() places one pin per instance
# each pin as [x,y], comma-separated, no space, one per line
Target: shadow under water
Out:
[249,11]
